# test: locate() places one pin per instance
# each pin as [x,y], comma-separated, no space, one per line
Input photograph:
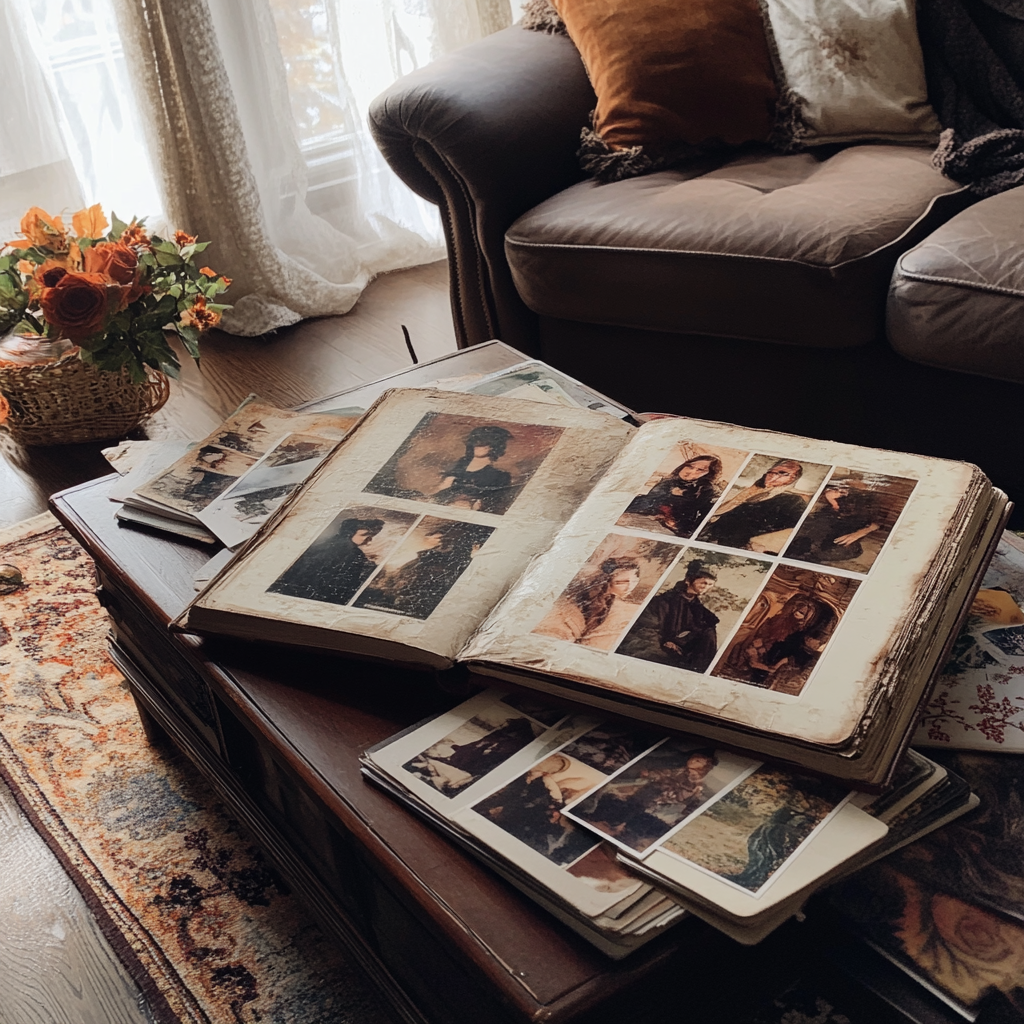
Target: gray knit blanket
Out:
[974,60]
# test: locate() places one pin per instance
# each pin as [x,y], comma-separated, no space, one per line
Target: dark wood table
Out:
[279,734]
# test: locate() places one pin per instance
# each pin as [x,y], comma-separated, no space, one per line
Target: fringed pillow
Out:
[674,78]
[849,71]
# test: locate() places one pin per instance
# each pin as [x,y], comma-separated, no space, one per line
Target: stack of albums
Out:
[781,595]
[616,829]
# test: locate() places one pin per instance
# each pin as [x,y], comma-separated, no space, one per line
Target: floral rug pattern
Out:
[206,927]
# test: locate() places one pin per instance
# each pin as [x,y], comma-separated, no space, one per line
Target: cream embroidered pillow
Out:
[850,70]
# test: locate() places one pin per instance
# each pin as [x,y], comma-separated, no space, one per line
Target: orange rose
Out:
[183,238]
[39,228]
[115,259]
[135,236]
[77,305]
[199,316]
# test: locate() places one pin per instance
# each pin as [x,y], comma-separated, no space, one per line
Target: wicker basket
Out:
[68,401]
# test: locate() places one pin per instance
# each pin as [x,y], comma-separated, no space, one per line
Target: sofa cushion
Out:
[957,298]
[795,249]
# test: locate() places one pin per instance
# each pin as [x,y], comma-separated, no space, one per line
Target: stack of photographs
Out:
[226,486]
[494,774]
[616,829]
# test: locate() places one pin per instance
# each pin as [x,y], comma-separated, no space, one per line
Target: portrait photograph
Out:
[530,808]
[787,628]
[683,489]
[345,555]
[747,837]
[599,603]
[472,750]
[465,462]
[195,480]
[695,609]
[424,567]
[851,520]
[645,801]
[766,501]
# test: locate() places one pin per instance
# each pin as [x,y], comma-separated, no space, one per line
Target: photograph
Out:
[851,520]
[530,808]
[256,427]
[761,508]
[695,609]
[465,462]
[472,750]
[345,555]
[237,513]
[611,745]
[645,801]
[602,871]
[683,489]
[195,480]
[536,707]
[424,567]
[785,631]
[597,606]
[750,834]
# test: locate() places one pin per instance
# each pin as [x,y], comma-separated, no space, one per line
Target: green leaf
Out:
[187,252]
[167,259]
[200,246]
[162,246]
[117,227]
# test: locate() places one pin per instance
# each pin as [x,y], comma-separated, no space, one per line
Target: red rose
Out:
[115,259]
[77,305]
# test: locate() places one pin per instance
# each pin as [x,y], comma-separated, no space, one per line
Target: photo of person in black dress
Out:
[417,587]
[474,481]
[676,628]
[334,566]
[767,506]
[834,530]
[684,497]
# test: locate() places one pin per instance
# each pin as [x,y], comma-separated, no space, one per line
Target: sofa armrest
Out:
[957,299]
[486,133]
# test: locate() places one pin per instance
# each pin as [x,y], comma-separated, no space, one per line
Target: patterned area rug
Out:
[207,929]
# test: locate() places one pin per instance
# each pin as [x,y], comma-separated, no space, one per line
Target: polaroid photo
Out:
[654,794]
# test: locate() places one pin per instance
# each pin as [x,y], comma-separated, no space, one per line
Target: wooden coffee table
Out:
[278,734]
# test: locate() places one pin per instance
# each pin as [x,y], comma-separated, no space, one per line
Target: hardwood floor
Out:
[55,965]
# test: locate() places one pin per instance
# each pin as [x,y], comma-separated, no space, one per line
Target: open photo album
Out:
[786,596]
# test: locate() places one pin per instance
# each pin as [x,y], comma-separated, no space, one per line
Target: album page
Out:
[763,580]
[415,526]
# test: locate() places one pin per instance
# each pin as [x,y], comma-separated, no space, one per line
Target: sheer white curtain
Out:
[252,115]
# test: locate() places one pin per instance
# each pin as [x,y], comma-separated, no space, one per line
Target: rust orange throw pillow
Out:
[673,78]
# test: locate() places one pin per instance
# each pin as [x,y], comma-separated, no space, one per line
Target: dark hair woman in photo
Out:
[767,506]
[594,611]
[684,497]
[474,481]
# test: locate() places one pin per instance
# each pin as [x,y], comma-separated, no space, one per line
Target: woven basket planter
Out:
[68,401]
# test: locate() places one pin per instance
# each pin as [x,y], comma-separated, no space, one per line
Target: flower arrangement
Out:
[113,294]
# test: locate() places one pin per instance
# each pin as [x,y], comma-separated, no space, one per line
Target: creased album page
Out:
[757,578]
[418,523]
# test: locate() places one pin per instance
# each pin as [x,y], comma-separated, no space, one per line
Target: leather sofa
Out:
[848,292]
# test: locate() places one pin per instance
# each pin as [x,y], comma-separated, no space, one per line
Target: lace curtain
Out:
[253,116]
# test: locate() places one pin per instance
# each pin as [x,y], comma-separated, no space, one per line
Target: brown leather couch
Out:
[755,290]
